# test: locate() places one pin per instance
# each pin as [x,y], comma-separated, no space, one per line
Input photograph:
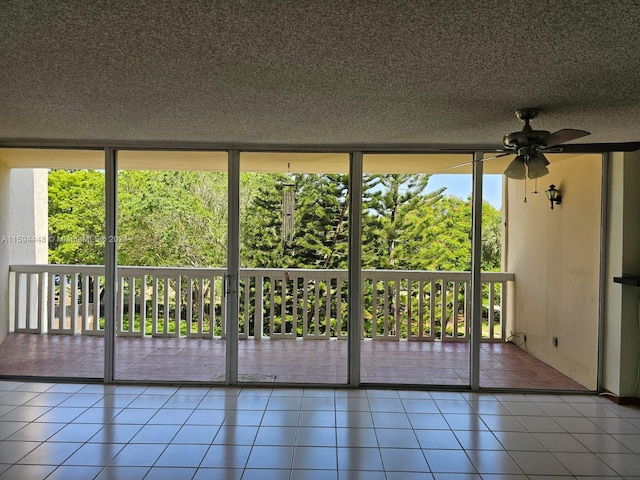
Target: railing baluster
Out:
[143,303]
[420,318]
[490,309]
[200,312]
[305,307]
[120,308]
[245,286]
[454,311]
[374,309]
[74,302]
[42,296]
[84,326]
[503,309]
[132,303]
[339,332]
[223,304]
[96,304]
[178,301]
[272,308]
[27,302]
[155,313]
[213,291]
[16,302]
[283,306]
[444,318]
[258,320]
[397,311]
[52,301]
[316,309]
[294,306]
[327,313]
[189,308]
[62,319]
[167,302]
[385,307]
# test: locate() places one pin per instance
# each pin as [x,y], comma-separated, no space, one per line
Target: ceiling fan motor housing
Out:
[517,140]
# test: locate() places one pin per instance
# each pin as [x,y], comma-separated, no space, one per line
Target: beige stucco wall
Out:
[4,251]
[622,335]
[556,258]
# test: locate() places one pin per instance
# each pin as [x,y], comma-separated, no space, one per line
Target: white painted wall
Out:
[555,255]
[622,334]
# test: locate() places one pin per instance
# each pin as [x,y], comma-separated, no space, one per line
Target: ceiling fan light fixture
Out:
[537,166]
[537,172]
[516,169]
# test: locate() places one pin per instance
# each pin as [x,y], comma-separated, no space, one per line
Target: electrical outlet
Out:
[554,341]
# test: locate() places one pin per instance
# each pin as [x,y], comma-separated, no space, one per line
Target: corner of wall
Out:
[554,254]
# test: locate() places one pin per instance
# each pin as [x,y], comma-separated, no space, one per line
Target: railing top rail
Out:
[424,275]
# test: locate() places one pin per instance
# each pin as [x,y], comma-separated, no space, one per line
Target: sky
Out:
[460,186]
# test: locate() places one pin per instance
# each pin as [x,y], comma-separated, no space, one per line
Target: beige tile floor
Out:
[280,361]
[133,432]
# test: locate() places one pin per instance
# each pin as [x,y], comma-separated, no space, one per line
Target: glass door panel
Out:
[293,278]
[53,237]
[416,259]
[172,236]
[540,328]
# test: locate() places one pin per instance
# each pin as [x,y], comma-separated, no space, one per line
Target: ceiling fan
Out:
[528,145]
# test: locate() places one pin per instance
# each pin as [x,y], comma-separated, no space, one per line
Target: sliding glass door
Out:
[294,227]
[170,318]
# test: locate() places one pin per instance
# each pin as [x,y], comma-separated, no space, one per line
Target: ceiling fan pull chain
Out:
[525,189]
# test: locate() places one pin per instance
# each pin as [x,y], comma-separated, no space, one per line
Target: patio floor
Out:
[280,361]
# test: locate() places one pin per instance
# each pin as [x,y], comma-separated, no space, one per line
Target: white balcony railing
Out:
[274,303]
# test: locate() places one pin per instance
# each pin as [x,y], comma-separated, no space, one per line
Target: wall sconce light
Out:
[553,194]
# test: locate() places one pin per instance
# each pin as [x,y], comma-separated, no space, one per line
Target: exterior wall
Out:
[556,258]
[4,251]
[622,317]
[29,211]
[23,223]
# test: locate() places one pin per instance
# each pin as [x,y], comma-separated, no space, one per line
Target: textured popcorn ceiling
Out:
[321,73]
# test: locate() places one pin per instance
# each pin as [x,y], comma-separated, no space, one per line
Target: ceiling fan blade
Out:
[600,147]
[483,160]
[564,135]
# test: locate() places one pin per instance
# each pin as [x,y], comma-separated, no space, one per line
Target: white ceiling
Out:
[328,74]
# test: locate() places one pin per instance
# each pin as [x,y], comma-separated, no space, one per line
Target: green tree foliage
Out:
[439,236]
[164,218]
[172,218]
[76,217]
[180,219]
[394,198]
[321,224]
